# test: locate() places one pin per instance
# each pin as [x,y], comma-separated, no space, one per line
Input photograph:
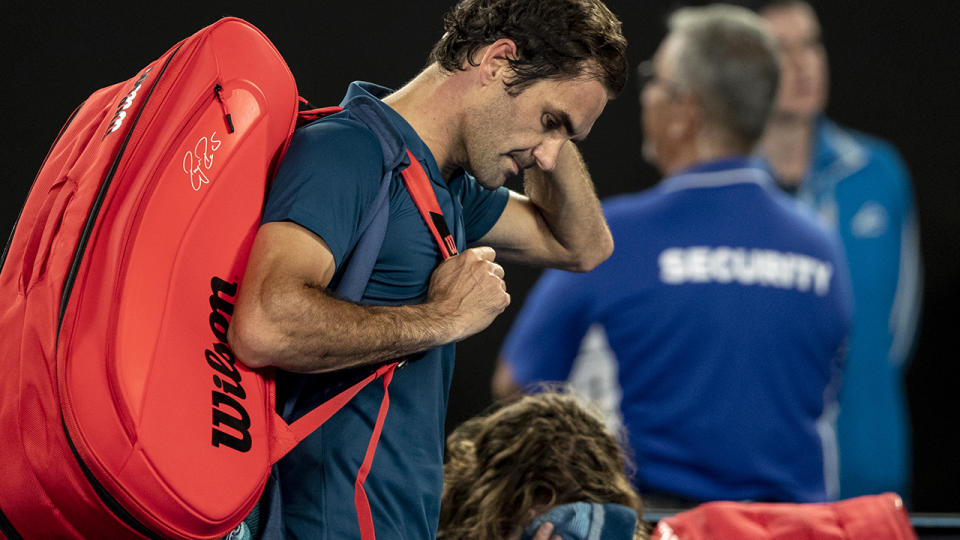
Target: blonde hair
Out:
[541,451]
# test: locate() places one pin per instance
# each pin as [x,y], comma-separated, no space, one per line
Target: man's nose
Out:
[546,152]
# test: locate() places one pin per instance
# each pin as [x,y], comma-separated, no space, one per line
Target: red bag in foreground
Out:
[123,412]
[871,517]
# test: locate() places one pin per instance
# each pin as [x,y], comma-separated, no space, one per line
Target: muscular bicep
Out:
[285,318]
[285,251]
[286,260]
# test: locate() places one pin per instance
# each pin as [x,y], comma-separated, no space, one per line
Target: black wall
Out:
[894,68]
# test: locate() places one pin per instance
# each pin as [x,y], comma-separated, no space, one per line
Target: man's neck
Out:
[787,146]
[704,147]
[431,104]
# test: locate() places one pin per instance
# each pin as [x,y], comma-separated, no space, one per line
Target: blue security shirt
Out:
[727,309]
[860,185]
[326,182]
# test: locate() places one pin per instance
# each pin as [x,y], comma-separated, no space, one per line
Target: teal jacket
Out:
[859,184]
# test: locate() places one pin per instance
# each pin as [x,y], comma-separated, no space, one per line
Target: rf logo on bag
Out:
[227,378]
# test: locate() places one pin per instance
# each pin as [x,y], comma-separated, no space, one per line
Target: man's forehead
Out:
[575,103]
[567,92]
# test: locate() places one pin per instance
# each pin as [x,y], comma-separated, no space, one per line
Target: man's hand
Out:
[285,318]
[469,291]
[544,532]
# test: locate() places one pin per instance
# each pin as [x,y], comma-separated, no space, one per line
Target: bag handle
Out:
[308,112]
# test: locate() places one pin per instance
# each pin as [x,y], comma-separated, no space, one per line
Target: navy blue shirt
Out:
[727,309]
[326,183]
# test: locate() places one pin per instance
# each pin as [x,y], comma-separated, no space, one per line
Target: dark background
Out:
[894,69]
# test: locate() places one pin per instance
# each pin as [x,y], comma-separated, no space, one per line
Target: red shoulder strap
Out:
[416,180]
[426,200]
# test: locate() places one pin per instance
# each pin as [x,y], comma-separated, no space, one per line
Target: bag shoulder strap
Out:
[426,200]
[352,280]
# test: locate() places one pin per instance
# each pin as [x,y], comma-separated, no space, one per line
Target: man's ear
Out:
[494,63]
[686,116]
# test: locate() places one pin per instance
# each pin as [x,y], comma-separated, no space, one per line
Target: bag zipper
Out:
[6,528]
[143,195]
[108,500]
[98,202]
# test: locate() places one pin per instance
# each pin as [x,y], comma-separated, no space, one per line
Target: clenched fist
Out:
[469,291]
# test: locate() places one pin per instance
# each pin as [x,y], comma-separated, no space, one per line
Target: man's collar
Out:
[362,88]
[410,137]
[732,162]
[718,173]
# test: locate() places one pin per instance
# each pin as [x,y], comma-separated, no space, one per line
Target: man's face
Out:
[510,133]
[657,99]
[803,69]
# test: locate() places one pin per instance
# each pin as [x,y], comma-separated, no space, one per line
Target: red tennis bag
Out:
[123,412]
[869,517]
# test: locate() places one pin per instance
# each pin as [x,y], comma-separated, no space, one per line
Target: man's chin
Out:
[486,182]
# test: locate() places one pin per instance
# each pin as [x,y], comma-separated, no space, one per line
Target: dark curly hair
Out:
[554,38]
[544,450]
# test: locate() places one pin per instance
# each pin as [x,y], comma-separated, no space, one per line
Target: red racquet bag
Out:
[123,412]
[869,517]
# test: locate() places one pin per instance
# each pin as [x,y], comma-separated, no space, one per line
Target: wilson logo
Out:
[227,398]
[125,104]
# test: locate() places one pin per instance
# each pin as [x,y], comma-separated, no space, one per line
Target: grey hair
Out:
[730,62]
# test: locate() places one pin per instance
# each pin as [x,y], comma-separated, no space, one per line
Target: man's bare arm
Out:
[285,318]
[558,222]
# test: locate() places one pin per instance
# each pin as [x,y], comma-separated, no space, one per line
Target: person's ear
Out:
[686,116]
[494,63]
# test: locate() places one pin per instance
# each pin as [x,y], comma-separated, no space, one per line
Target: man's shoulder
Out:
[339,136]
[868,171]
[872,142]
[632,206]
[877,156]
[808,230]
[797,214]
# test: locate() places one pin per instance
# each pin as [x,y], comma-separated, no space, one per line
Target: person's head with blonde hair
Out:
[537,453]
